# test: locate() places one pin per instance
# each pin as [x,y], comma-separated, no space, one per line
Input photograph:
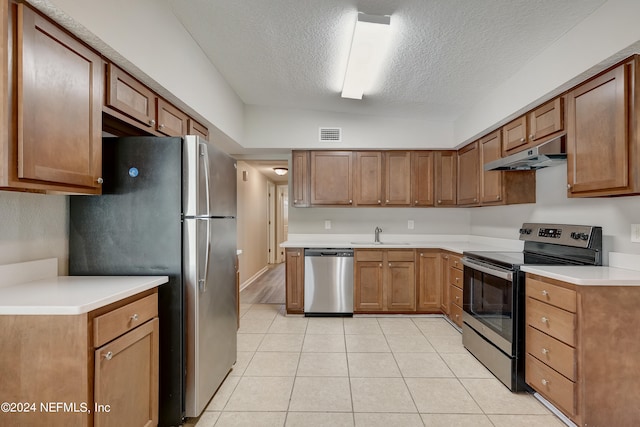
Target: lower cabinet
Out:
[295,280]
[93,369]
[581,349]
[384,281]
[429,286]
[455,289]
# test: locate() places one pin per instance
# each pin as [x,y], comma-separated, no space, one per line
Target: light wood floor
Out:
[268,288]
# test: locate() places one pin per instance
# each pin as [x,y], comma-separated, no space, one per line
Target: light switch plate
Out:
[327,224]
[635,233]
[410,224]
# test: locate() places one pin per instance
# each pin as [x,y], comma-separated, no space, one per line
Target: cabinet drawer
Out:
[552,321]
[552,352]
[455,277]
[115,323]
[455,314]
[550,384]
[455,261]
[551,294]
[455,295]
[401,255]
[364,255]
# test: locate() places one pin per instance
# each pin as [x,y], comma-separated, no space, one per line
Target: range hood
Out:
[548,154]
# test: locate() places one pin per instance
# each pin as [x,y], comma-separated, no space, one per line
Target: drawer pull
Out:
[545,293]
[108,356]
[457,298]
[544,320]
[457,279]
[134,318]
[380,265]
[545,382]
[545,351]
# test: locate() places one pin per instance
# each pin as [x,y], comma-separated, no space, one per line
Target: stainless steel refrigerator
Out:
[169,208]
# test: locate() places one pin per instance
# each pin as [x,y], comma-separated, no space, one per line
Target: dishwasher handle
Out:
[329,252]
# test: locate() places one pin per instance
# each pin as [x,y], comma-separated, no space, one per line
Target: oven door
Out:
[489,302]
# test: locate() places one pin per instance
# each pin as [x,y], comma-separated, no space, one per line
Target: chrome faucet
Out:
[377,232]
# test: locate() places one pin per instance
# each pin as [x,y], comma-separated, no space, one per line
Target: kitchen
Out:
[36,226]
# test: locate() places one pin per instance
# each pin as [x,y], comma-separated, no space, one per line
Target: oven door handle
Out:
[485,268]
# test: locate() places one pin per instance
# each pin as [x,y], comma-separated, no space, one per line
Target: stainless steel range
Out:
[494,292]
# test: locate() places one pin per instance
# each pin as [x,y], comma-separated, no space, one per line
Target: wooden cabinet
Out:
[368,178]
[455,288]
[500,187]
[131,98]
[468,192]
[422,176]
[429,286]
[195,128]
[52,94]
[106,359]
[397,178]
[536,127]
[294,258]
[384,280]
[444,282]
[331,178]
[445,178]
[170,120]
[300,179]
[603,143]
[581,350]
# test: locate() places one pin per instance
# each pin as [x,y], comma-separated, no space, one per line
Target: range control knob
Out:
[525,231]
[579,236]
[584,236]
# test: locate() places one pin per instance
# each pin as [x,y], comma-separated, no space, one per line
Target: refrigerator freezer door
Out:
[223,184]
[210,250]
[197,177]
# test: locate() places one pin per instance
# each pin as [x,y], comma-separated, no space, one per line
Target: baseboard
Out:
[253,278]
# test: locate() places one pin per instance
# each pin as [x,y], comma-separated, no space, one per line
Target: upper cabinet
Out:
[422,174]
[300,179]
[445,178]
[469,174]
[195,128]
[397,178]
[382,178]
[368,178]
[539,125]
[51,106]
[171,121]
[331,178]
[603,144]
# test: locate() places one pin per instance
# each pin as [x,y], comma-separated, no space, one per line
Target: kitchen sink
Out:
[381,243]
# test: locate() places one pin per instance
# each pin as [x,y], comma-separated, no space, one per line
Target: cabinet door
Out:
[422,166]
[195,128]
[444,282]
[60,97]
[400,286]
[597,134]
[490,181]
[469,174]
[446,176]
[546,120]
[514,136]
[368,286]
[171,121]
[130,97]
[126,379]
[368,180]
[429,286]
[300,177]
[331,178]
[295,280]
[397,178]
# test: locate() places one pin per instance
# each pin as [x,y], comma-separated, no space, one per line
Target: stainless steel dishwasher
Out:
[328,282]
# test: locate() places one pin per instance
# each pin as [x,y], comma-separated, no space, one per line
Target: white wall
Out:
[274,128]
[252,221]
[34,226]
[148,35]
[614,215]
[391,220]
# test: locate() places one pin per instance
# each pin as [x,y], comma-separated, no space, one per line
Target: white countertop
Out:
[587,275]
[64,295]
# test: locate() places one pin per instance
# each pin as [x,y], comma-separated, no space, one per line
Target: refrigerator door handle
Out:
[204,158]
[203,279]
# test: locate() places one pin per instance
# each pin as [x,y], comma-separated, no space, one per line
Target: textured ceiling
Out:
[445,55]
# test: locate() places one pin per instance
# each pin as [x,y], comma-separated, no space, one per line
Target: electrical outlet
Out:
[410,224]
[635,233]
[327,224]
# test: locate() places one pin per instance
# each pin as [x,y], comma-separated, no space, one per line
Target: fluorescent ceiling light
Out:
[369,39]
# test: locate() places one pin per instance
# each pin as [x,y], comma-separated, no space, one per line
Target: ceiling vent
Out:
[330,134]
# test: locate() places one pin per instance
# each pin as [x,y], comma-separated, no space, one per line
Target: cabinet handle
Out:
[545,382]
[100,180]
[295,201]
[531,137]
[298,254]
[387,201]
[416,202]
[135,317]
[161,126]
[545,293]
[457,316]
[421,254]
[108,356]
[380,265]
[457,298]
[457,279]
[569,186]
[497,197]
[389,264]
[544,320]
[475,200]
[522,139]
[350,201]
[379,201]
[439,201]
[152,122]
[545,351]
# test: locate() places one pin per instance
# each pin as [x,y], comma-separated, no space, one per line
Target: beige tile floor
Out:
[362,371]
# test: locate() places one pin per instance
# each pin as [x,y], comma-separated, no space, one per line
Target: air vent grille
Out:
[330,134]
